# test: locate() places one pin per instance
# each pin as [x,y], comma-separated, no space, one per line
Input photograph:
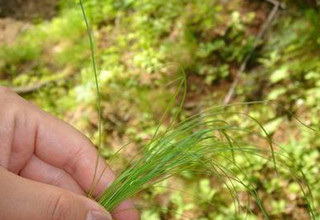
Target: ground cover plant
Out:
[141,47]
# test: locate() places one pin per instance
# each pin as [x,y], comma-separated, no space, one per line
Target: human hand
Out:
[47,167]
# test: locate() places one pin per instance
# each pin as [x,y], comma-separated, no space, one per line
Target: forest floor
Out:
[141,47]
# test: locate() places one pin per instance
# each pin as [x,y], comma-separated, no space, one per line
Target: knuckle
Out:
[74,163]
[62,206]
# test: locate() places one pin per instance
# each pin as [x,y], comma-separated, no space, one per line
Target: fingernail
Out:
[94,215]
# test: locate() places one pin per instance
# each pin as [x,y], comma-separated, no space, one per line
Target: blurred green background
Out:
[141,48]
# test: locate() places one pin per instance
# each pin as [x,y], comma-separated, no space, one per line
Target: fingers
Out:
[40,171]
[25,199]
[25,130]
[64,147]
[126,211]
[60,145]
[29,131]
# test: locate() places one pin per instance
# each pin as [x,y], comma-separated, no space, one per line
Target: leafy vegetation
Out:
[141,47]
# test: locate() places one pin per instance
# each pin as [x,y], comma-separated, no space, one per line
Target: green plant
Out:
[140,47]
[197,144]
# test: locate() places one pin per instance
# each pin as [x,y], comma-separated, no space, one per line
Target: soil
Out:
[18,15]
[28,9]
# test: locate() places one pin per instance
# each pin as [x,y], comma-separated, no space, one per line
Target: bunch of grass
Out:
[197,144]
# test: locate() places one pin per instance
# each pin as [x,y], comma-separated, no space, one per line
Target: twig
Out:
[29,89]
[243,66]
[32,88]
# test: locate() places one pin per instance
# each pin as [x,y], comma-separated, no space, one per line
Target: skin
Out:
[46,167]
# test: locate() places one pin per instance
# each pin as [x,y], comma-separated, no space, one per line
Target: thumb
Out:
[29,200]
